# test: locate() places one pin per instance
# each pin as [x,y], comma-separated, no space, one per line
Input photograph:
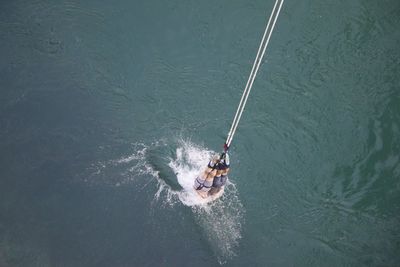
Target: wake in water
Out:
[221,219]
[174,171]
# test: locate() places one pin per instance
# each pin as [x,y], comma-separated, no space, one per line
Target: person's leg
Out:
[214,190]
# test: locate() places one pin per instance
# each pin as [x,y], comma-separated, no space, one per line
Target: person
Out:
[221,176]
[204,182]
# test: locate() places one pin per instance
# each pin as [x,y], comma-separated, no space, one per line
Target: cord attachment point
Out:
[226,147]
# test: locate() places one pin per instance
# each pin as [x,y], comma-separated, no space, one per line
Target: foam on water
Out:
[188,163]
[123,170]
[221,219]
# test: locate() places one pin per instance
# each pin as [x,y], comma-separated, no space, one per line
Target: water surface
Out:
[101,102]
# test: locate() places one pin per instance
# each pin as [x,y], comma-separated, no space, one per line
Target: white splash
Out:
[221,219]
[190,161]
[123,170]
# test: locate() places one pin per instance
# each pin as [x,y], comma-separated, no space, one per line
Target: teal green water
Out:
[98,101]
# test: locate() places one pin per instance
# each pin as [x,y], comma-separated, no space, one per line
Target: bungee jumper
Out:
[213,179]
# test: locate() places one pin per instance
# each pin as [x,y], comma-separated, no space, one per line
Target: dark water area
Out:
[100,103]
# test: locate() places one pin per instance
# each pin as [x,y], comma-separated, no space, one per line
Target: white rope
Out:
[254,70]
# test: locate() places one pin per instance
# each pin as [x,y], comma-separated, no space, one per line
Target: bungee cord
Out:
[257,62]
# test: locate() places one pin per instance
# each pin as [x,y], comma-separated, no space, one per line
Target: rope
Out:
[254,70]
